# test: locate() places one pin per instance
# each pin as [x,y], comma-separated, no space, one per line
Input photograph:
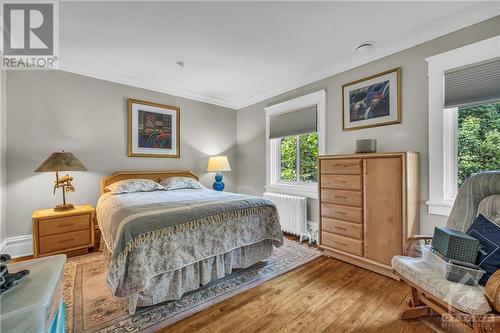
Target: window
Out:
[298,156]
[478,139]
[295,138]
[464,118]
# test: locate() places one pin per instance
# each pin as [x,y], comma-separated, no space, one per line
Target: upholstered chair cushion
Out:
[469,299]
[470,194]
[490,208]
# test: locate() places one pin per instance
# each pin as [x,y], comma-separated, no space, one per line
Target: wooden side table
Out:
[70,232]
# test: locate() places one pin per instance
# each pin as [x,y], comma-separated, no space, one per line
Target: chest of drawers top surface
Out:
[366,155]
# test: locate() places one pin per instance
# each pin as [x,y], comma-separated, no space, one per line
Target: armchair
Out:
[431,293]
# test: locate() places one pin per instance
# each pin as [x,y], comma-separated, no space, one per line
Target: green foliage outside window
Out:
[289,158]
[308,157]
[308,154]
[478,139]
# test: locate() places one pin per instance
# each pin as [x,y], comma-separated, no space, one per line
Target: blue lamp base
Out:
[218,185]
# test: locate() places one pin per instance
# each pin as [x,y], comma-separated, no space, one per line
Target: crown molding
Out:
[480,12]
[128,80]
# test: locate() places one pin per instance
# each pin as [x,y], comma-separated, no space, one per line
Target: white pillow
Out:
[134,185]
[179,183]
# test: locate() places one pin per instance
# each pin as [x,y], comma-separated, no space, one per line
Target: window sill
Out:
[308,191]
[439,208]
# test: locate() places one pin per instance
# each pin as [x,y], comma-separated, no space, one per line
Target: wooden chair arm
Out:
[419,237]
[416,238]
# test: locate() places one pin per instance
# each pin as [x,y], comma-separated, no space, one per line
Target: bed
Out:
[162,244]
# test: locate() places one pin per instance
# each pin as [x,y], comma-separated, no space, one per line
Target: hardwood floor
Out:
[325,295]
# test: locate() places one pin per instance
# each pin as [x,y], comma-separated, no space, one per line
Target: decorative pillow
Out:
[488,234]
[179,183]
[134,185]
[492,291]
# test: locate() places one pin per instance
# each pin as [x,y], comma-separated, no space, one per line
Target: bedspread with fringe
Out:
[151,233]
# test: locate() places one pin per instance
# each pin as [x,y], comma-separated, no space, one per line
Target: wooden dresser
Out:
[70,231]
[369,205]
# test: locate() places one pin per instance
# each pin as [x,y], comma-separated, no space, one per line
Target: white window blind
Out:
[474,84]
[293,123]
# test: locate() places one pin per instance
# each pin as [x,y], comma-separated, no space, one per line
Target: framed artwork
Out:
[153,129]
[372,101]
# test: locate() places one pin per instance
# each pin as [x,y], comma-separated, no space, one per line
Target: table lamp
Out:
[218,164]
[62,161]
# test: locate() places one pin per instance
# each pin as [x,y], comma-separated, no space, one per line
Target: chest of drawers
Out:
[368,207]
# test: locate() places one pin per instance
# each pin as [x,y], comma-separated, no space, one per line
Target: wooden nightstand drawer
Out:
[342,167]
[65,241]
[62,225]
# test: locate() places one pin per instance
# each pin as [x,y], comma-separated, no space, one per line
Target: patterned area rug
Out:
[91,308]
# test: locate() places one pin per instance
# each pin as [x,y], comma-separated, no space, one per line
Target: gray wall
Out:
[49,110]
[410,135]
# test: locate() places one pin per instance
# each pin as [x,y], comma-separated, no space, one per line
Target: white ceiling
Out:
[239,53]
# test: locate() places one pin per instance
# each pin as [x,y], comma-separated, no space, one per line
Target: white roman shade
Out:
[474,84]
[293,123]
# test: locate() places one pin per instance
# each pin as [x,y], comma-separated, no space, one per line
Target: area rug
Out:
[91,308]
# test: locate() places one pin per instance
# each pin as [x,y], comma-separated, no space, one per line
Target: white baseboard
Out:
[18,246]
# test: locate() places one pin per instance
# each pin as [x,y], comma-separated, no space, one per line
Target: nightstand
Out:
[70,231]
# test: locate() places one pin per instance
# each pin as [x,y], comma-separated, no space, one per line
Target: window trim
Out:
[450,156]
[443,174]
[273,183]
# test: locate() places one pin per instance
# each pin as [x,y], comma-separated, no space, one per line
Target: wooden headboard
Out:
[153,175]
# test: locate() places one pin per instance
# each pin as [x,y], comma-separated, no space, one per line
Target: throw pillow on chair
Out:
[488,234]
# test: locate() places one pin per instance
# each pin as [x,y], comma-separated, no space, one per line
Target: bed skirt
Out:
[173,284]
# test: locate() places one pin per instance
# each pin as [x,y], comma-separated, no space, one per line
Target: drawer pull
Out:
[342,244]
[340,197]
[65,225]
[342,213]
[344,165]
[340,228]
[66,240]
[340,181]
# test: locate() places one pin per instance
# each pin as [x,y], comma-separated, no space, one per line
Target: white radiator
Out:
[292,211]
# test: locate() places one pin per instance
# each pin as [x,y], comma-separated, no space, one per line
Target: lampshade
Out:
[218,163]
[61,161]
